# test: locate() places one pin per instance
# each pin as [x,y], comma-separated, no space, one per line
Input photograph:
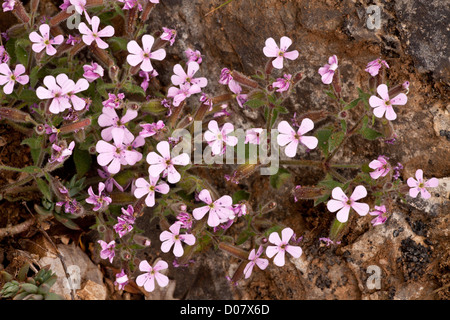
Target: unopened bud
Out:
[15,115]
[308,192]
[234,251]
[72,127]
[400,88]
[16,30]
[141,240]
[244,80]
[40,129]
[268,207]
[20,12]
[297,78]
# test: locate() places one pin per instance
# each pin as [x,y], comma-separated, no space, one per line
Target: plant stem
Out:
[336,228]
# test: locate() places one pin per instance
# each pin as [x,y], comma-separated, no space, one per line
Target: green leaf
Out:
[83,161]
[44,188]
[243,236]
[352,104]
[335,139]
[278,179]
[323,136]
[281,109]
[28,287]
[133,88]
[66,222]
[330,94]
[369,133]
[321,199]
[329,183]
[255,103]
[240,195]
[118,43]
[28,96]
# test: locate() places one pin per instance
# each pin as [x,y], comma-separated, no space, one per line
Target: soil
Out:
[411,249]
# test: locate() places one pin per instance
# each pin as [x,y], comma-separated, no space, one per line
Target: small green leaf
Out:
[335,140]
[83,161]
[44,188]
[323,136]
[255,103]
[240,195]
[369,133]
[278,179]
[352,104]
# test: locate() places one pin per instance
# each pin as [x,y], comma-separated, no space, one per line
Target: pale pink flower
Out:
[142,56]
[328,70]
[73,40]
[95,34]
[121,280]
[8,5]
[154,1]
[181,77]
[61,153]
[380,212]
[272,50]
[147,280]
[81,85]
[253,135]
[130,4]
[100,201]
[143,187]
[283,84]
[241,98]
[419,184]
[182,93]
[169,35]
[373,67]
[111,120]
[113,100]
[116,154]
[150,129]
[289,138]
[384,105]
[217,138]
[192,55]
[110,182]
[165,163]
[92,72]
[219,211]
[174,238]
[381,167]
[255,259]
[225,76]
[281,246]
[9,78]
[342,203]
[44,41]
[107,251]
[56,90]
[80,7]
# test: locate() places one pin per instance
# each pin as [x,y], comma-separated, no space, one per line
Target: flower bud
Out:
[244,80]
[73,127]
[142,241]
[15,115]
[40,129]
[234,251]
[400,88]
[308,192]
[20,12]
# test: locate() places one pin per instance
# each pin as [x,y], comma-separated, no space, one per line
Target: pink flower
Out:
[81,85]
[107,251]
[121,280]
[289,138]
[116,154]
[281,246]
[130,4]
[113,100]
[174,238]
[327,71]
[385,104]
[90,36]
[8,5]
[237,90]
[142,56]
[255,259]
[147,280]
[192,55]
[380,212]
[216,137]
[182,93]
[419,184]
[61,153]
[92,72]
[57,89]
[181,77]
[9,78]
[225,76]
[253,135]
[80,7]
[4,57]
[381,167]
[122,227]
[374,66]
[166,164]
[219,211]
[143,187]
[110,182]
[169,35]
[99,201]
[272,50]
[154,1]
[111,120]
[150,129]
[283,84]
[43,41]
[342,203]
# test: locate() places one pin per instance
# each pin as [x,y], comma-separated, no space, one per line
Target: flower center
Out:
[281,53]
[421,185]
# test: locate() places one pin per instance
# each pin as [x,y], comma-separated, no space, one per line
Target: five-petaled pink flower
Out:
[150,129]
[271,50]
[43,41]
[169,35]
[174,238]
[81,85]
[121,280]
[100,201]
[90,36]
[380,213]
[61,152]
[241,98]
[281,246]
[56,90]
[110,120]
[92,71]
[289,138]
[255,259]
[9,78]
[143,187]
[8,5]
[384,105]
[181,77]
[107,251]
[342,203]
[182,93]
[165,164]
[216,137]
[373,67]
[142,56]
[419,184]
[253,136]
[80,8]
[147,280]
[192,55]
[283,84]
[219,211]
[328,70]
[381,167]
